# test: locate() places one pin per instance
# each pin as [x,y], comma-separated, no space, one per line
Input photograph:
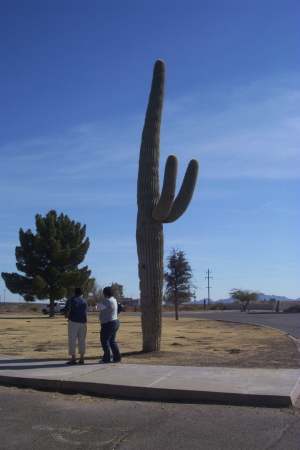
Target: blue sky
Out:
[75,81]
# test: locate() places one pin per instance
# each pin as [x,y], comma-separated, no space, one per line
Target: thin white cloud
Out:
[263,207]
[253,133]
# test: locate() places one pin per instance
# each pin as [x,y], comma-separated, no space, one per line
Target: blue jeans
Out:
[108,340]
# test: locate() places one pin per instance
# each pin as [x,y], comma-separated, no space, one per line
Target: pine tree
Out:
[49,259]
[178,279]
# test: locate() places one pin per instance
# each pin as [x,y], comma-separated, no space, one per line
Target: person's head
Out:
[108,291]
[78,292]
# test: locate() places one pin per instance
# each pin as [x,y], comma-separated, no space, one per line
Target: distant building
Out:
[127,301]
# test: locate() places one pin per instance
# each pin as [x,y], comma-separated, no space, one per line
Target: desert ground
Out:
[186,342]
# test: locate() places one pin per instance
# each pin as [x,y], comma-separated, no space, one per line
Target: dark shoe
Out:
[81,361]
[103,362]
[72,361]
[116,362]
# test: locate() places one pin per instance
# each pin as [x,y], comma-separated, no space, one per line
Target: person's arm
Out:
[65,308]
[100,306]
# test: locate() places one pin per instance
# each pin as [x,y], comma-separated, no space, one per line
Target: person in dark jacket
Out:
[77,325]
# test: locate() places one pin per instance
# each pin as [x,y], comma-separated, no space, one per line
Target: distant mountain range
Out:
[261,297]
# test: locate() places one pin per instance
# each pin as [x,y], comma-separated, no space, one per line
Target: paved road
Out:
[32,420]
[288,323]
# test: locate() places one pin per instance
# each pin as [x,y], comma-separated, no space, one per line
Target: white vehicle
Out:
[58,307]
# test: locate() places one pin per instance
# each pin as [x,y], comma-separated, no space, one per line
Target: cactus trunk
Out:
[154,210]
[149,234]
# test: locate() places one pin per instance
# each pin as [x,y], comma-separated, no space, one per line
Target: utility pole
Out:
[208,287]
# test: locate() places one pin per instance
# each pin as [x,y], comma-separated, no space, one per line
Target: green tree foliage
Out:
[49,259]
[178,279]
[293,309]
[244,296]
[94,291]
[118,288]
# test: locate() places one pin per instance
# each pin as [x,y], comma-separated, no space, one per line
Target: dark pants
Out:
[108,340]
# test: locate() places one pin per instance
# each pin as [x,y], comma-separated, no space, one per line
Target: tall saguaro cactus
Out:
[155,209]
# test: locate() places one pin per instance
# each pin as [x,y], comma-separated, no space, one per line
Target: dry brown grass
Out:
[187,342]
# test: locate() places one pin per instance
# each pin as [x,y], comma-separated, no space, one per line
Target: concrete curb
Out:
[252,387]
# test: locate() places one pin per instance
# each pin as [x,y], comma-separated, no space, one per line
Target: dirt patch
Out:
[187,342]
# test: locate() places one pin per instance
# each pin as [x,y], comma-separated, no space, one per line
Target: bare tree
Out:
[118,288]
[93,291]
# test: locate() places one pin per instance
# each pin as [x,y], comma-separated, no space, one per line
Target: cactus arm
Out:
[164,205]
[185,194]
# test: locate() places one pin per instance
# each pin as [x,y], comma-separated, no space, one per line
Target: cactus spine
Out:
[155,209]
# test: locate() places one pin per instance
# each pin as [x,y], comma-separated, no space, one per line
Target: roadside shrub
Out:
[128,308]
[186,307]
[293,309]
[29,307]
[7,309]
[183,307]
[167,308]
[217,306]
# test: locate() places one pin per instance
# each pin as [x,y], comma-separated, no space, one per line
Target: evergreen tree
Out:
[49,259]
[178,279]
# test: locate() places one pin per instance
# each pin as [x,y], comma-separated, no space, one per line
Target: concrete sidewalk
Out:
[264,387]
